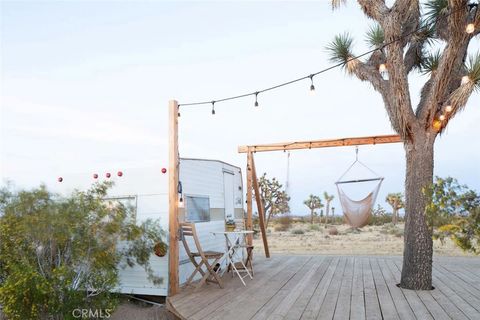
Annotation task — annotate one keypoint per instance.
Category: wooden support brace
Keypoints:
(258, 200)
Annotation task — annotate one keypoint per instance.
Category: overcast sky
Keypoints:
(85, 84)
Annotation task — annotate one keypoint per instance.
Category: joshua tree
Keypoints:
(395, 200)
(328, 198)
(275, 199)
(313, 203)
(403, 42)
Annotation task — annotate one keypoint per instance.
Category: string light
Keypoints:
(448, 108)
(465, 79)
(351, 63)
(213, 107)
(441, 118)
(470, 28)
(312, 87)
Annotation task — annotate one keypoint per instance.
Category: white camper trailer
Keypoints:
(212, 193)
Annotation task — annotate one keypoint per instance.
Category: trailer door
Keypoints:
(228, 193)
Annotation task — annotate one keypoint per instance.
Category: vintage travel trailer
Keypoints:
(211, 190)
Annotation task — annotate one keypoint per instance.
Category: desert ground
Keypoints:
(304, 238)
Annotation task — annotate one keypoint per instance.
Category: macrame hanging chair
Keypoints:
(357, 212)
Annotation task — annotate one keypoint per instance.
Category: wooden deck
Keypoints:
(335, 287)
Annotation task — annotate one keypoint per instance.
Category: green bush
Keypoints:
(315, 227)
(60, 254)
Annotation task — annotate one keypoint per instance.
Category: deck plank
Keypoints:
(416, 304)
(401, 304)
(342, 309)
(287, 288)
(292, 294)
(327, 308)
(210, 301)
(336, 287)
(357, 303)
(457, 287)
(313, 307)
(387, 306)
(245, 307)
(372, 305)
(302, 301)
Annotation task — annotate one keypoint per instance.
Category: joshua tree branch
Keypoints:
(453, 57)
(374, 9)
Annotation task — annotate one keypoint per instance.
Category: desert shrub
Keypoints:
(297, 231)
(285, 221)
(333, 231)
(379, 216)
(59, 254)
(353, 230)
(390, 228)
(315, 227)
(280, 228)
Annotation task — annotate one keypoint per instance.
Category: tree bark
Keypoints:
(417, 254)
(312, 211)
(395, 216)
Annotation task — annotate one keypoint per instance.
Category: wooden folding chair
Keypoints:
(209, 275)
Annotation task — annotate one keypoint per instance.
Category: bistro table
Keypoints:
(235, 242)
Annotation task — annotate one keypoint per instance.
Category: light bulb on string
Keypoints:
(213, 107)
(256, 99)
(382, 68)
(470, 28)
(441, 118)
(465, 79)
(448, 108)
(312, 87)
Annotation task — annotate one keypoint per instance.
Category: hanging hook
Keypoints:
(356, 153)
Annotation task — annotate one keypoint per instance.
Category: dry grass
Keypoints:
(369, 240)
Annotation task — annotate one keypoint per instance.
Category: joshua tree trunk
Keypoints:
(395, 216)
(312, 212)
(417, 255)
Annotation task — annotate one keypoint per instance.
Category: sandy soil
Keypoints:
(369, 240)
(131, 310)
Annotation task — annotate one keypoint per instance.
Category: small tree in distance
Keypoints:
(275, 199)
(395, 200)
(313, 203)
(328, 199)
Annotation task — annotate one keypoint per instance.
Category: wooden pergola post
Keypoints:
(249, 199)
(259, 201)
(173, 165)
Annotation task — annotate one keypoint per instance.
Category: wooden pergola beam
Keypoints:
(315, 144)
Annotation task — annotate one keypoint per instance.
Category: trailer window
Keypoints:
(197, 208)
